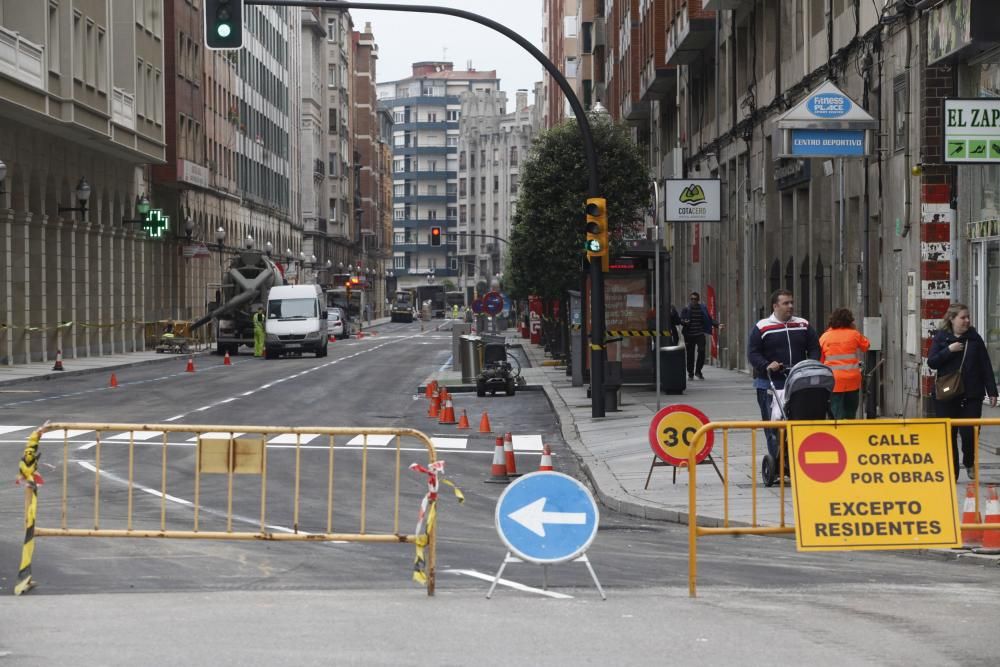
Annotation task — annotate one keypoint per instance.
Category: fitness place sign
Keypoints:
(826, 124)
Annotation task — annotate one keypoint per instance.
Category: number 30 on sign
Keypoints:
(671, 434)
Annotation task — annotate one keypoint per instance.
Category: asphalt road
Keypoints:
(373, 382)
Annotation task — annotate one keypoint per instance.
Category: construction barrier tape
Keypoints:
(594, 348)
(428, 514)
(636, 332)
(28, 471)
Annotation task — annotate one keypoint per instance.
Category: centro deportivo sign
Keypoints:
(874, 485)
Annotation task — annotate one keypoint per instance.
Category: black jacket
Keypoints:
(977, 370)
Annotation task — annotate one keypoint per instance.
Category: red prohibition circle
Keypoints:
(830, 450)
(659, 448)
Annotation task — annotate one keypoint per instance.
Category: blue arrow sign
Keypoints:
(546, 517)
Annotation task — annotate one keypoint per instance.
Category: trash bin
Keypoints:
(470, 352)
(673, 369)
(458, 329)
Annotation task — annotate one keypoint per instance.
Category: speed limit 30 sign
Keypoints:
(671, 434)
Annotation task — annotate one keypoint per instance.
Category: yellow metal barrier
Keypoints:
(221, 453)
(695, 531)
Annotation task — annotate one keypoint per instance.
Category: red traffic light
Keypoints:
(435, 236)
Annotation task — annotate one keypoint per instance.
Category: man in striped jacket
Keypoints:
(776, 344)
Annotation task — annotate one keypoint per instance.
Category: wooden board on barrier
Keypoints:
(873, 485)
(246, 456)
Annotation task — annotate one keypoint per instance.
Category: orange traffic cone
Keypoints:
(361, 334)
(484, 423)
(447, 413)
(58, 364)
(508, 450)
(546, 462)
(114, 382)
(991, 538)
(429, 389)
(971, 538)
(226, 361)
(432, 411)
(498, 471)
(463, 421)
(190, 366)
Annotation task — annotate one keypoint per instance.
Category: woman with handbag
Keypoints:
(964, 377)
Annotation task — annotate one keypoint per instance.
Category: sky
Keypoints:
(404, 38)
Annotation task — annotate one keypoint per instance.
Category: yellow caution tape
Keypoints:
(427, 517)
(28, 471)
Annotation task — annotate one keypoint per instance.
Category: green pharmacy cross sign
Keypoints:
(155, 223)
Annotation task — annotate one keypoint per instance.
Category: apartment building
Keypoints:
(562, 22)
(894, 235)
(492, 145)
(426, 108)
(81, 112)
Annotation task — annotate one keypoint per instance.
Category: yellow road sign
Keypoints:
(874, 485)
(671, 431)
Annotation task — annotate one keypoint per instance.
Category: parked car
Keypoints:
(337, 321)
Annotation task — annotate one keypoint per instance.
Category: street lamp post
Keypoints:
(220, 237)
(82, 197)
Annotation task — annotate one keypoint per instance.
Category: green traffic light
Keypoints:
(592, 246)
(224, 30)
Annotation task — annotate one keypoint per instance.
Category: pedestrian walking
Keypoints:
(695, 323)
(839, 347)
(777, 343)
(258, 332)
(964, 378)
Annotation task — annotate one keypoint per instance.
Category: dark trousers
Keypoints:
(764, 399)
(693, 345)
(961, 408)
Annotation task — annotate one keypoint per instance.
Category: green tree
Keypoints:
(546, 245)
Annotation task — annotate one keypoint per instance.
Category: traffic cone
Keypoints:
(484, 423)
(432, 411)
(190, 366)
(971, 538)
(58, 364)
(546, 462)
(226, 361)
(114, 382)
(463, 421)
(447, 413)
(498, 471)
(429, 389)
(991, 538)
(508, 450)
(361, 334)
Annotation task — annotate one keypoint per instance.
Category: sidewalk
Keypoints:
(615, 452)
(18, 373)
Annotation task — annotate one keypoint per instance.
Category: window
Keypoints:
(472, 159)
(462, 210)
(331, 29)
(102, 62)
(451, 141)
(496, 184)
(569, 27)
(432, 190)
(451, 209)
(397, 214)
(453, 115)
(398, 190)
(513, 156)
(432, 118)
(482, 185)
(140, 88)
(462, 192)
(53, 40)
(78, 49)
(462, 160)
(432, 214)
(432, 165)
(398, 237)
(496, 211)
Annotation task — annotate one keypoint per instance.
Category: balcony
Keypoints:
(689, 36)
(424, 175)
(123, 108)
(423, 199)
(21, 59)
(716, 5)
(424, 150)
(319, 169)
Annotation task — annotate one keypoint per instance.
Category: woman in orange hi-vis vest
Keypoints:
(839, 347)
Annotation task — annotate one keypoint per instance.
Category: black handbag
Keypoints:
(949, 386)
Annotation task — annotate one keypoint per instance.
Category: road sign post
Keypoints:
(546, 518)
(670, 433)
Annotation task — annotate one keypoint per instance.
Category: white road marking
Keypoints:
(450, 443)
(59, 435)
(526, 443)
(373, 440)
(289, 438)
(136, 435)
(11, 429)
(510, 584)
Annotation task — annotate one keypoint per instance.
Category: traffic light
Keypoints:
(224, 24)
(596, 244)
(435, 236)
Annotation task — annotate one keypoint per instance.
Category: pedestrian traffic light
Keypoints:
(224, 24)
(596, 244)
(435, 236)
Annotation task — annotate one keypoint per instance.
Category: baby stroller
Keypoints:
(806, 396)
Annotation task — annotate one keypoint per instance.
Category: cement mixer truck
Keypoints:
(245, 286)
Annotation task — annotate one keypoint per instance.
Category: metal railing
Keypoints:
(149, 479)
(783, 526)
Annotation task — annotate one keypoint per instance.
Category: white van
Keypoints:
(296, 321)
